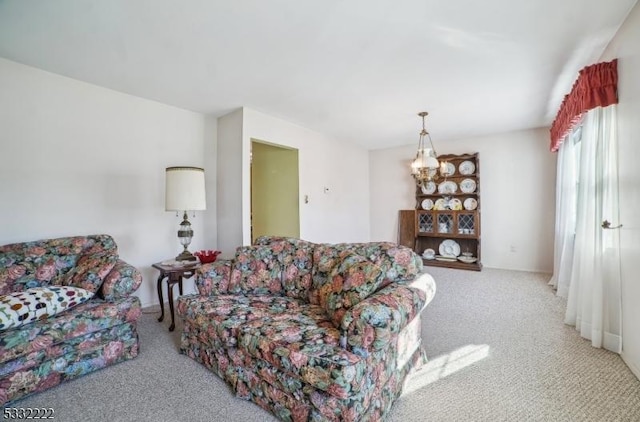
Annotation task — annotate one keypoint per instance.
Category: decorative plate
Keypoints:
(441, 205)
(449, 170)
(427, 204)
(429, 254)
(455, 204)
(447, 187)
(468, 185)
(467, 259)
(467, 167)
(470, 204)
(449, 248)
(429, 188)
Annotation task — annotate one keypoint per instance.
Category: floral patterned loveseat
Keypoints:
(65, 310)
(310, 331)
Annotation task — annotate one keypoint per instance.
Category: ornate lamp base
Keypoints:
(186, 256)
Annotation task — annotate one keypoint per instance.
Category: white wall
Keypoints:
(517, 180)
(209, 235)
(341, 215)
(229, 183)
(79, 159)
(626, 48)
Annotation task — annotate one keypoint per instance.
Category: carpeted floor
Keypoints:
(498, 351)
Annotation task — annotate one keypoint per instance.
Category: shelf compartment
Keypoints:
(476, 266)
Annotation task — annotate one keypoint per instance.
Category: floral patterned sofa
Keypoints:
(310, 331)
(65, 310)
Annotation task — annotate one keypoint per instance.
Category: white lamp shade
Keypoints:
(185, 189)
(425, 160)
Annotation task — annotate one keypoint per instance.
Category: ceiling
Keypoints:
(357, 70)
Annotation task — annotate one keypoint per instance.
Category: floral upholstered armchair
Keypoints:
(65, 310)
(310, 331)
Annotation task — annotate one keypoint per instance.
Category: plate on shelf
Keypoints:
(426, 204)
(468, 186)
(449, 248)
(441, 205)
(449, 169)
(470, 204)
(447, 187)
(455, 204)
(429, 188)
(467, 167)
(467, 259)
(445, 258)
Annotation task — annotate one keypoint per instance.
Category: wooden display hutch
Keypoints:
(447, 213)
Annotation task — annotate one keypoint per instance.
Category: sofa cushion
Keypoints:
(296, 259)
(351, 280)
(256, 271)
(396, 261)
(38, 263)
(325, 257)
(305, 345)
(221, 317)
(89, 317)
(290, 335)
(38, 303)
(89, 272)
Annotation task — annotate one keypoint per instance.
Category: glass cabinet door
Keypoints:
(425, 222)
(467, 224)
(445, 223)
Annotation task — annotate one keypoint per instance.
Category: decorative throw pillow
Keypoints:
(350, 281)
(89, 272)
(22, 308)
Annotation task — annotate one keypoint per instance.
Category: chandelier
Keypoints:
(424, 168)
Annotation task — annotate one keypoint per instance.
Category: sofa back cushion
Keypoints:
(396, 261)
(256, 271)
(41, 263)
(350, 281)
(296, 260)
(89, 272)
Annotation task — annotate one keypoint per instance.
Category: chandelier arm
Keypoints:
(432, 147)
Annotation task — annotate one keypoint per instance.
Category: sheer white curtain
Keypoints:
(566, 183)
(593, 300)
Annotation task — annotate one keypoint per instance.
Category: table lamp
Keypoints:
(185, 192)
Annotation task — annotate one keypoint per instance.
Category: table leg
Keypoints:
(160, 278)
(180, 285)
(177, 278)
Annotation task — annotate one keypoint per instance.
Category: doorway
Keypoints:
(275, 205)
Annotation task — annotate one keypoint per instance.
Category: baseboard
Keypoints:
(612, 342)
(632, 366)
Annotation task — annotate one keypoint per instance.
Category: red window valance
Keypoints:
(596, 86)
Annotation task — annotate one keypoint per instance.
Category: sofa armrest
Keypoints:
(376, 321)
(122, 281)
(213, 279)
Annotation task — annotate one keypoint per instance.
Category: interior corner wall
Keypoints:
(333, 177)
(229, 182)
(78, 159)
(517, 182)
(210, 153)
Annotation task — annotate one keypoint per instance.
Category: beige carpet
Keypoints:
(498, 352)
